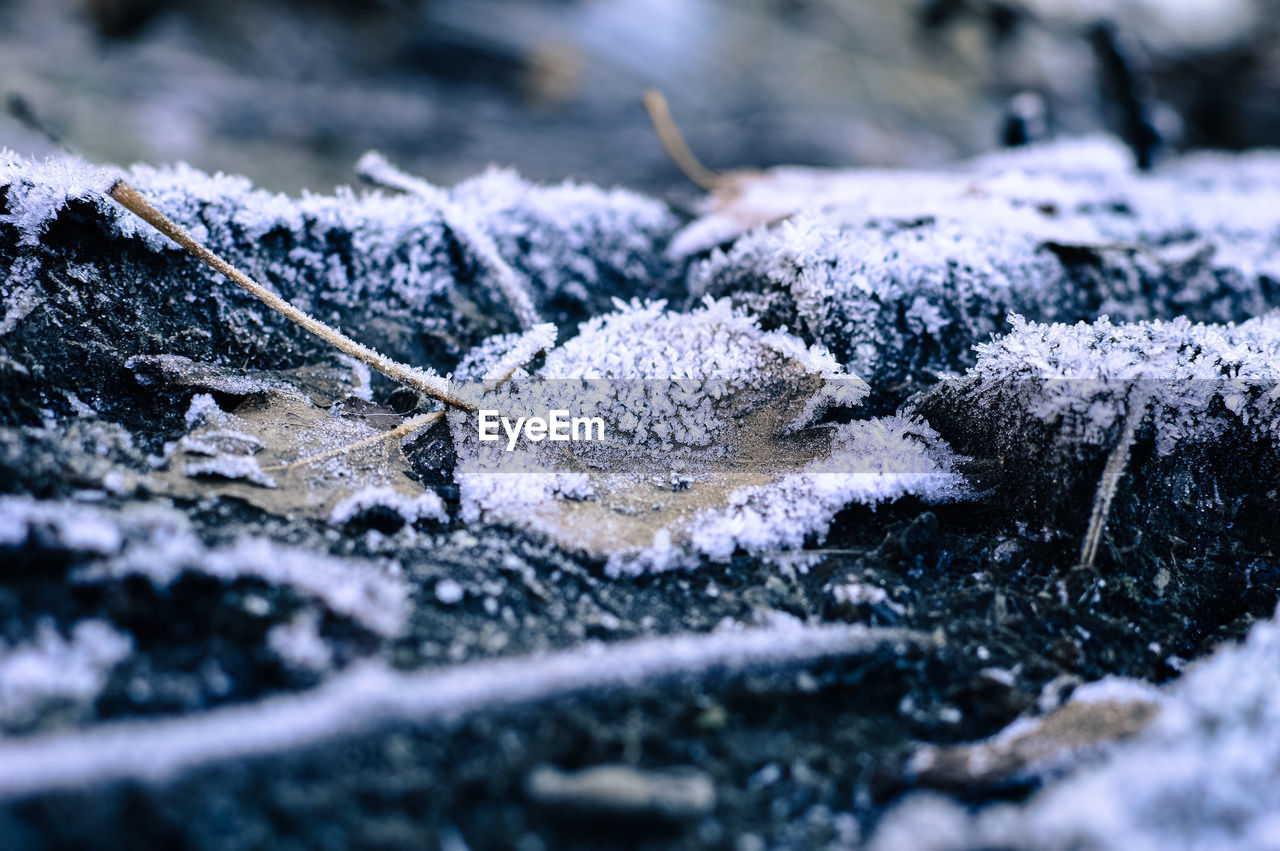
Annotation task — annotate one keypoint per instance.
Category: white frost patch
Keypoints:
(871, 462)
(52, 670)
(1204, 774)
(377, 599)
(159, 543)
(299, 644)
(19, 301)
(370, 694)
(76, 527)
(898, 272)
(203, 409)
(409, 508)
(1197, 380)
(523, 347)
(244, 468)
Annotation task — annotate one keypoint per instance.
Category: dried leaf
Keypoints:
(250, 452)
(710, 442)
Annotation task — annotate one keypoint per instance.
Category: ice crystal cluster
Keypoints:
(871, 462)
(1195, 382)
(898, 275)
(1196, 404)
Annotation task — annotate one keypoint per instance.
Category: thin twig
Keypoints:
(375, 168)
(655, 103)
(433, 385)
(366, 695)
(1111, 475)
(404, 429)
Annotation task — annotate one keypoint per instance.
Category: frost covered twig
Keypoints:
(1111, 473)
(375, 168)
(369, 694)
(429, 383)
(405, 429)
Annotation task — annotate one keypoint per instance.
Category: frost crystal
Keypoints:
(1198, 382)
(410, 509)
(706, 444)
(1052, 401)
(1201, 380)
(871, 461)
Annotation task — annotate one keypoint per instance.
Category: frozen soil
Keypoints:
(978, 613)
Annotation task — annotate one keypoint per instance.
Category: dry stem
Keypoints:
(1110, 480)
(675, 145)
(433, 385)
(403, 430)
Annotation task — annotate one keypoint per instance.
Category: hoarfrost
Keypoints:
(410, 509)
(1052, 401)
(871, 461)
(159, 543)
(38, 190)
(899, 273)
(706, 447)
(50, 670)
(1199, 380)
(242, 468)
(389, 269)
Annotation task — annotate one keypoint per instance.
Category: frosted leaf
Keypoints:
(1099, 715)
(1205, 773)
(250, 453)
(710, 444)
(870, 462)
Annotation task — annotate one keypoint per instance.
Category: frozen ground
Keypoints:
(826, 576)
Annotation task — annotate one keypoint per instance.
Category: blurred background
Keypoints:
(291, 92)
